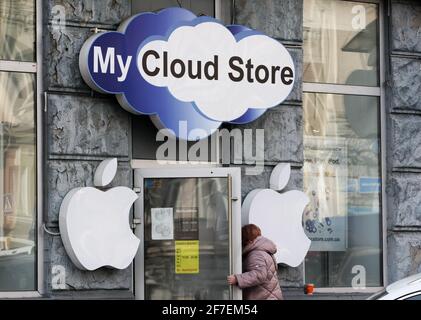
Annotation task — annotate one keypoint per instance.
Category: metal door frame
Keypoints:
(233, 174)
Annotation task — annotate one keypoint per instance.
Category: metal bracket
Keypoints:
(98, 30)
(45, 101)
(136, 222)
(44, 226)
(137, 190)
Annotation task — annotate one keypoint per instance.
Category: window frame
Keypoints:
(36, 69)
(143, 170)
(379, 91)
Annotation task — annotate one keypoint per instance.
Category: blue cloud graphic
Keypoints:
(138, 96)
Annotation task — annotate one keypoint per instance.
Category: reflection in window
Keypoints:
(17, 30)
(17, 181)
(341, 42)
(342, 180)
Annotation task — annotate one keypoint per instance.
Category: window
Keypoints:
(18, 146)
(17, 30)
(341, 42)
(342, 145)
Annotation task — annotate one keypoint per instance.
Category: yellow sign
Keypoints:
(187, 256)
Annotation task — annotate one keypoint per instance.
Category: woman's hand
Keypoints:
(232, 280)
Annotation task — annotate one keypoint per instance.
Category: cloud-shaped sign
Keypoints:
(176, 67)
(224, 78)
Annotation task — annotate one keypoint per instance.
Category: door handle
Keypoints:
(136, 222)
(230, 199)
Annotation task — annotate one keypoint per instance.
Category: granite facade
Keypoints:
(282, 20)
(403, 131)
(81, 129)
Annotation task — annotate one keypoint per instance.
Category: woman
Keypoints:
(259, 279)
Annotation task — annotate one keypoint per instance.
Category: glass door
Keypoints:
(186, 229)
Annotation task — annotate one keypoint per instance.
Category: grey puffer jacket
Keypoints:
(259, 279)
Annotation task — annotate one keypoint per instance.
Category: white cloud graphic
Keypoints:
(267, 69)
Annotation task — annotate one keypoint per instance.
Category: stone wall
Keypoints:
(283, 125)
(404, 136)
(81, 129)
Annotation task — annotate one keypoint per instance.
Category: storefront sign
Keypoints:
(94, 225)
(187, 256)
(174, 66)
(279, 216)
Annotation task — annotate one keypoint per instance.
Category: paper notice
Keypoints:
(162, 223)
(187, 256)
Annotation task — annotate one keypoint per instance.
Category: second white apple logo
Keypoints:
(94, 224)
(279, 216)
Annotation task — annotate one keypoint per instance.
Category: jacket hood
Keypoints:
(262, 244)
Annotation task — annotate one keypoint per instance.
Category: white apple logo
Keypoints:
(94, 224)
(279, 216)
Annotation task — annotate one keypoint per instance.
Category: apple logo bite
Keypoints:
(279, 216)
(94, 224)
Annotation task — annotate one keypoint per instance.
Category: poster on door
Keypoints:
(187, 256)
(325, 182)
(186, 223)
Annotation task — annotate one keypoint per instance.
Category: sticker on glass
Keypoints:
(162, 223)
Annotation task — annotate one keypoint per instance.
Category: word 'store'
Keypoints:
(178, 68)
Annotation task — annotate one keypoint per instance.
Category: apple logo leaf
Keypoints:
(105, 172)
(280, 176)
(94, 224)
(279, 216)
